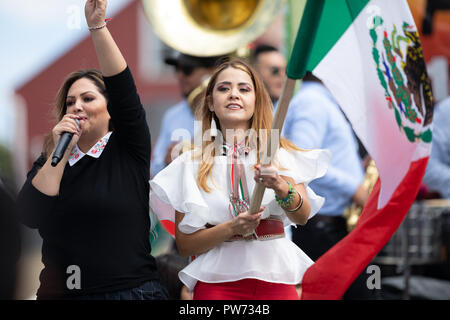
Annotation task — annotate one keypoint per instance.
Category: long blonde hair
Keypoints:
(261, 119)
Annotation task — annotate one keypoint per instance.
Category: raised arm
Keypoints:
(124, 105)
(109, 56)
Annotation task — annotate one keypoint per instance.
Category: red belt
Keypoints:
(270, 228)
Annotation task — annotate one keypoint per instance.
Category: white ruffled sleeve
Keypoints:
(303, 167)
(175, 189)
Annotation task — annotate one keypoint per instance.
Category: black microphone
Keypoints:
(61, 147)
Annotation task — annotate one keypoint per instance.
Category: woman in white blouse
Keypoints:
(206, 192)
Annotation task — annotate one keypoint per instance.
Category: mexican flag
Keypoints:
(368, 54)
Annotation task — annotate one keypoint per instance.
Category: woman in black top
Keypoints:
(92, 209)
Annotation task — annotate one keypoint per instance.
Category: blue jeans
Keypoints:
(150, 290)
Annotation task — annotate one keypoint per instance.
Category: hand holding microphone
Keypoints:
(66, 128)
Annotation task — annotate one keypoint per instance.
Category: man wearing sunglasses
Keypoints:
(190, 72)
(271, 65)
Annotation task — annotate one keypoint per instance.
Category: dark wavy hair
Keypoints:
(60, 100)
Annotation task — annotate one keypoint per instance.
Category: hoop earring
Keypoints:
(213, 126)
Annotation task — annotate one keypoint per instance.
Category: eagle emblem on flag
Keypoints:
(402, 72)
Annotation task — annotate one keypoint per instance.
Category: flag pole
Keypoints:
(277, 124)
(296, 69)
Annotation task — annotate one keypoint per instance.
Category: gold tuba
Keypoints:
(353, 212)
(206, 28)
(210, 27)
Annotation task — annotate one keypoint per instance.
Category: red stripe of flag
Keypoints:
(333, 272)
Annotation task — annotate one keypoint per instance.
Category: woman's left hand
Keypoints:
(268, 176)
(95, 11)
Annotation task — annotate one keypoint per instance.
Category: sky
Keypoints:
(33, 33)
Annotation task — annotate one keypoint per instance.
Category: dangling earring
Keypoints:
(213, 126)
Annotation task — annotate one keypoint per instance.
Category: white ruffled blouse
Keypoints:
(276, 260)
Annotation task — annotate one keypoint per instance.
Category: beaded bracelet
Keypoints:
(99, 27)
(286, 202)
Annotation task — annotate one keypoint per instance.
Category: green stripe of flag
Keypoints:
(305, 39)
(336, 16)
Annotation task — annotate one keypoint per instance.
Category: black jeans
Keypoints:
(150, 290)
(317, 237)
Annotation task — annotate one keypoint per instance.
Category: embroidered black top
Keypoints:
(100, 220)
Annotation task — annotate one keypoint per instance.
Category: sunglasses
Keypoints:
(275, 71)
(186, 70)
